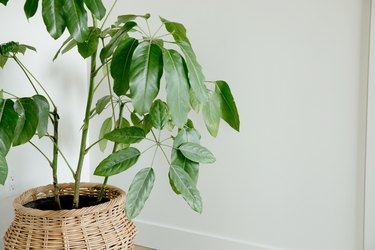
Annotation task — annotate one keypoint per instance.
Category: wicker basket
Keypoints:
(103, 226)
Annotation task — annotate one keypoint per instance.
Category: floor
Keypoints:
(142, 248)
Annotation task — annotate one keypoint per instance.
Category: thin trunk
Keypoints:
(55, 156)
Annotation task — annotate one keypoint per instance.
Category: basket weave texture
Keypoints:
(102, 226)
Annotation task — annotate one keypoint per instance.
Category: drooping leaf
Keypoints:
(196, 77)
(53, 17)
(130, 17)
(159, 114)
(126, 135)
(120, 65)
(90, 46)
(211, 113)
(102, 103)
(96, 7)
(3, 61)
(177, 86)
(185, 186)
(8, 123)
(43, 112)
(229, 111)
(116, 39)
(4, 2)
(117, 162)
(147, 124)
(139, 192)
(76, 19)
(9, 47)
(3, 169)
(61, 47)
(23, 47)
(28, 120)
(196, 152)
(69, 46)
(30, 8)
(146, 70)
(177, 30)
(105, 128)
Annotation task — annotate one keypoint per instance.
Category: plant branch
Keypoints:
(55, 157)
(40, 151)
(25, 72)
(109, 12)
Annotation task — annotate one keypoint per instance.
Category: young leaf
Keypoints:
(3, 169)
(139, 192)
(69, 46)
(117, 162)
(3, 61)
(90, 46)
(229, 111)
(105, 128)
(177, 30)
(30, 8)
(196, 76)
(126, 135)
(196, 152)
(120, 65)
(96, 7)
(211, 113)
(27, 122)
(43, 112)
(76, 19)
(186, 187)
(53, 17)
(116, 39)
(126, 18)
(23, 47)
(8, 123)
(102, 103)
(146, 70)
(61, 47)
(177, 86)
(159, 114)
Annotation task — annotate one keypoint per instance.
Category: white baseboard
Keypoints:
(163, 237)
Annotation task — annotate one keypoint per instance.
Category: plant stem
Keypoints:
(55, 157)
(85, 129)
(26, 74)
(118, 125)
(40, 151)
(109, 87)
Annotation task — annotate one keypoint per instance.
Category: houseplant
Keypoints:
(132, 61)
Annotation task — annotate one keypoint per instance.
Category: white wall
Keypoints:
(65, 79)
(293, 178)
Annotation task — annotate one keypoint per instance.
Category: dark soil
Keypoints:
(66, 202)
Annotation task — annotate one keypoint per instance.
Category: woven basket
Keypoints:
(103, 226)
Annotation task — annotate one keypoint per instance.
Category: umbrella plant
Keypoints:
(136, 63)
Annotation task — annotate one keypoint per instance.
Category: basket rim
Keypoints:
(22, 199)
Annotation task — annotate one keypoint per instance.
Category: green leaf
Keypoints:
(186, 187)
(126, 135)
(23, 47)
(116, 39)
(120, 65)
(126, 18)
(124, 123)
(135, 119)
(102, 103)
(177, 87)
(139, 192)
(177, 30)
(229, 111)
(96, 7)
(53, 17)
(69, 46)
(61, 47)
(4, 2)
(118, 162)
(1, 94)
(27, 122)
(211, 113)
(3, 61)
(196, 152)
(146, 70)
(178, 159)
(3, 169)
(30, 8)
(90, 46)
(8, 123)
(43, 114)
(105, 128)
(159, 114)
(76, 19)
(9, 47)
(147, 124)
(196, 77)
